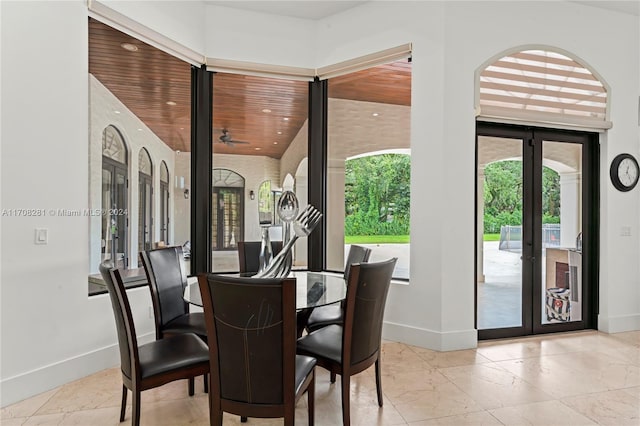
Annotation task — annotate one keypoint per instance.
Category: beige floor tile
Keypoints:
(398, 358)
(533, 347)
(634, 391)
(396, 386)
(632, 337)
(13, 421)
(493, 387)
(441, 400)
(103, 389)
(615, 408)
(482, 418)
(450, 359)
(420, 386)
(46, 420)
(547, 413)
(575, 373)
(27, 407)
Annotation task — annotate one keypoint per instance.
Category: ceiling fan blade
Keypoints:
(235, 141)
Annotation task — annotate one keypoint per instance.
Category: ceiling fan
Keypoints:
(227, 139)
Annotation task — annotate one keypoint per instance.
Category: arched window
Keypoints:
(537, 86)
(164, 203)
(114, 198)
(145, 200)
(227, 211)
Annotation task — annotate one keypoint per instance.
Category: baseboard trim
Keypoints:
(435, 340)
(39, 380)
(619, 324)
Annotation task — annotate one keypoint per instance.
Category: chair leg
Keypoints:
(346, 408)
(205, 378)
(333, 377)
(135, 412)
(191, 386)
(311, 397)
(123, 407)
(379, 381)
(215, 411)
(243, 419)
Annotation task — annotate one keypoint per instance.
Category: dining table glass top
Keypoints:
(313, 289)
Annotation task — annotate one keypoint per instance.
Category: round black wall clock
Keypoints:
(624, 172)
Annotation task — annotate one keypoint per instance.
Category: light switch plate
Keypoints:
(42, 236)
(625, 231)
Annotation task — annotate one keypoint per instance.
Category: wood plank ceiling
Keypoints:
(267, 113)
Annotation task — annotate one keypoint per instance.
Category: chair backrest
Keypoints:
(366, 298)
(249, 254)
(252, 337)
(357, 254)
(167, 278)
(125, 329)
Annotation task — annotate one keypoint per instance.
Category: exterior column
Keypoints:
(335, 215)
(480, 221)
(571, 208)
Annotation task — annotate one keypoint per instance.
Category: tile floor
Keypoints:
(582, 378)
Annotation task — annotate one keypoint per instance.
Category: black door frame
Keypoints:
(532, 138)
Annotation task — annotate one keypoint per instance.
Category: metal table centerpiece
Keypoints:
(300, 222)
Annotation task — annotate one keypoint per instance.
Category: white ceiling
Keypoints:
(632, 7)
(318, 9)
(297, 9)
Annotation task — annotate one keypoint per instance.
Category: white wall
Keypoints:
(63, 334)
(52, 332)
(182, 21)
(257, 37)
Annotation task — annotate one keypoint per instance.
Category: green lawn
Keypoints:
(395, 239)
(376, 239)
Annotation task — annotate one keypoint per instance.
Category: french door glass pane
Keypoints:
(106, 243)
(561, 232)
(120, 214)
(500, 204)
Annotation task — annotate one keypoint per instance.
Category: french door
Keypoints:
(145, 217)
(227, 213)
(537, 215)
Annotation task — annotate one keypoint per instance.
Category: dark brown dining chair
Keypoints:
(255, 371)
(153, 364)
(349, 348)
(249, 255)
(323, 316)
(167, 279)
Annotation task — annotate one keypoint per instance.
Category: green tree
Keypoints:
(503, 195)
(377, 195)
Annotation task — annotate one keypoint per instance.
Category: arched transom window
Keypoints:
(542, 86)
(113, 145)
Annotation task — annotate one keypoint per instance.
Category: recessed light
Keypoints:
(139, 130)
(181, 128)
(171, 103)
(257, 149)
(130, 47)
(375, 114)
(275, 143)
(116, 111)
(266, 110)
(286, 118)
(279, 133)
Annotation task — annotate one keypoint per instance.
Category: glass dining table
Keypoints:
(313, 289)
